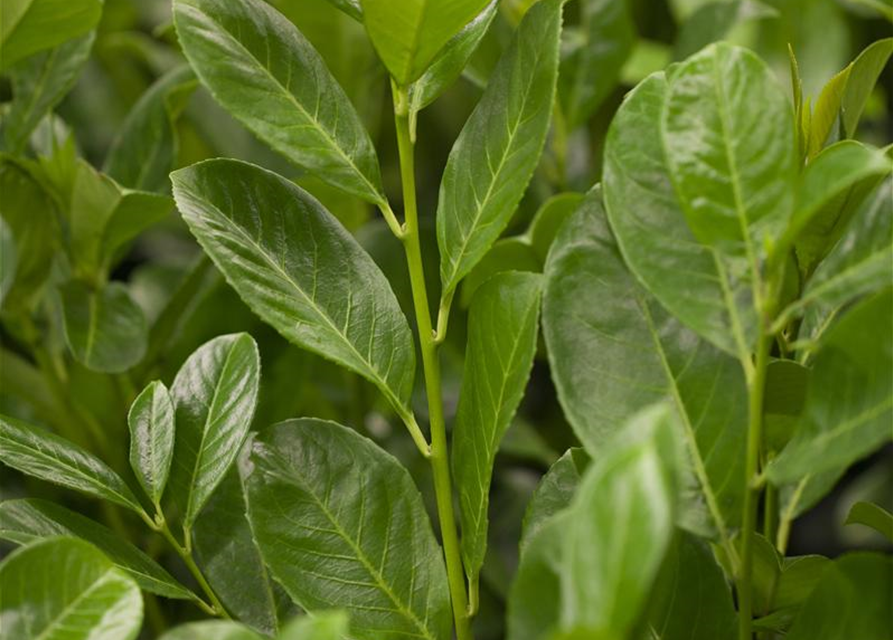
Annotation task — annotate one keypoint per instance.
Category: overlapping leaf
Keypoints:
(151, 422)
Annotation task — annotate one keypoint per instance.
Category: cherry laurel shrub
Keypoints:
(716, 314)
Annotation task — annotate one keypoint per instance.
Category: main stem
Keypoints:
(431, 365)
(756, 387)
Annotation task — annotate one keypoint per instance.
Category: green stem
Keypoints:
(756, 387)
(439, 455)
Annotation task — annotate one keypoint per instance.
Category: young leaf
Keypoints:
(299, 270)
(340, 524)
(66, 584)
(211, 630)
(151, 422)
(145, 150)
(214, 394)
(687, 278)
(37, 452)
(30, 26)
(733, 166)
(609, 360)
(276, 84)
(502, 332)
(105, 329)
(852, 600)
(409, 34)
(603, 42)
(849, 404)
(25, 521)
(554, 492)
(496, 153)
(872, 515)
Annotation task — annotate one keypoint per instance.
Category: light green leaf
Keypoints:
(37, 452)
(145, 150)
(29, 26)
(64, 588)
(39, 83)
(211, 630)
(278, 86)
(8, 259)
(105, 329)
(320, 495)
(499, 147)
(872, 515)
(25, 521)
(151, 422)
(852, 600)
(690, 280)
(601, 44)
(331, 625)
(849, 404)
(502, 333)
(298, 269)
(608, 360)
(409, 34)
(350, 7)
(733, 166)
(214, 394)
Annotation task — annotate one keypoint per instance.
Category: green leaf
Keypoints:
(849, 404)
(105, 329)
(320, 495)
(25, 521)
(548, 220)
(66, 588)
(799, 576)
(691, 598)
(506, 254)
(733, 166)
(852, 600)
(872, 515)
(600, 46)
(145, 150)
(214, 394)
(608, 360)
(717, 20)
(37, 452)
(350, 7)
(299, 270)
(278, 86)
(151, 422)
(39, 82)
(211, 630)
(331, 625)
(498, 149)
(449, 63)
(502, 333)
(29, 26)
(409, 34)
(554, 492)
(690, 280)
(8, 259)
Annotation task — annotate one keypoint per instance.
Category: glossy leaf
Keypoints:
(145, 150)
(26, 521)
(502, 333)
(688, 279)
(340, 524)
(39, 453)
(409, 34)
(65, 588)
(211, 630)
(609, 360)
(852, 600)
(849, 405)
(874, 516)
(499, 147)
(151, 422)
(733, 166)
(299, 270)
(105, 329)
(554, 492)
(30, 26)
(278, 86)
(214, 395)
(603, 41)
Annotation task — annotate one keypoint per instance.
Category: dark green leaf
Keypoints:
(37, 452)
(25, 521)
(548, 220)
(507, 254)
(214, 394)
(340, 524)
(874, 516)
(105, 329)
(8, 259)
(151, 422)
(716, 20)
(499, 147)
(297, 268)
(30, 26)
(279, 87)
(502, 333)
